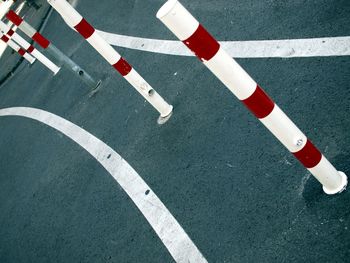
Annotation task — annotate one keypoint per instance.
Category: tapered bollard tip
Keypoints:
(163, 119)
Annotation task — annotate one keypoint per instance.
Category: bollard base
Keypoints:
(341, 188)
(163, 119)
(95, 89)
(98, 84)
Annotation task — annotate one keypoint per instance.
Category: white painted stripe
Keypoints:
(27, 29)
(4, 8)
(19, 8)
(331, 179)
(112, 56)
(170, 13)
(36, 53)
(229, 72)
(146, 91)
(29, 58)
(105, 50)
(284, 129)
(164, 224)
(15, 47)
(45, 61)
(141, 85)
(287, 48)
(70, 15)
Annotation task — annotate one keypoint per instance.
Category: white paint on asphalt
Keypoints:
(288, 48)
(164, 224)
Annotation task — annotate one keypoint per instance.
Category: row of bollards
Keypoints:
(179, 20)
(29, 48)
(76, 21)
(17, 48)
(51, 49)
(89, 33)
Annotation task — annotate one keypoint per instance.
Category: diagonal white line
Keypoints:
(162, 221)
(288, 48)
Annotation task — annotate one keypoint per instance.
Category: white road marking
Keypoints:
(164, 224)
(288, 48)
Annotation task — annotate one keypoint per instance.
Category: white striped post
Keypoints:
(27, 29)
(175, 16)
(51, 49)
(76, 21)
(16, 48)
(29, 48)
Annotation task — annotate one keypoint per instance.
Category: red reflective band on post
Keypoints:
(5, 38)
(203, 45)
(30, 49)
(10, 32)
(21, 52)
(38, 38)
(259, 103)
(85, 29)
(123, 67)
(309, 156)
(14, 18)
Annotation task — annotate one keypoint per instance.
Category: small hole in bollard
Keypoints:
(151, 92)
(109, 156)
(81, 72)
(147, 192)
(299, 142)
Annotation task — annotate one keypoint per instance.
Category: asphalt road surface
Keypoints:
(236, 191)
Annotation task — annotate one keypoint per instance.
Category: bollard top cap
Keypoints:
(166, 8)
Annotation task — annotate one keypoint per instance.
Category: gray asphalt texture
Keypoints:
(237, 192)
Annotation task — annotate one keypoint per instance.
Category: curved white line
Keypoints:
(164, 224)
(288, 48)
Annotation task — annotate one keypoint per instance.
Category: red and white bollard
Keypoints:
(29, 48)
(16, 48)
(175, 16)
(76, 21)
(51, 49)
(27, 29)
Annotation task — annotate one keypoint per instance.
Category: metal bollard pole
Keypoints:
(72, 66)
(29, 48)
(176, 17)
(76, 21)
(52, 49)
(16, 48)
